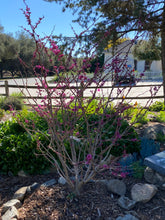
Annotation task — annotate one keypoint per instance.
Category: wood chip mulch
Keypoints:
(58, 203)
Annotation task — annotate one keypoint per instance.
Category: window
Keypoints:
(147, 65)
(135, 65)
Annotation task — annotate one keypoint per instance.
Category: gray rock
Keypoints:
(156, 162)
(151, 131)
(126, 203)
(11, 213)
(49, 183)
(62, 180)
(75, 139)
(22, 173)
(153, 177)
(20, 193)
(10, 203)
(127, 217)
(116, 186)
(34, 186)
(143, 192)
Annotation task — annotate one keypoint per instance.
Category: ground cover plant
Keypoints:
(81, 133)
(11, 102)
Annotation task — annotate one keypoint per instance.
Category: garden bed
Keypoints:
(57, 202)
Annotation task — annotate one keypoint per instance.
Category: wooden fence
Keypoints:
(8, 86)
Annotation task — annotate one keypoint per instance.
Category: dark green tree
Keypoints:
(148, 50)
(11, 48)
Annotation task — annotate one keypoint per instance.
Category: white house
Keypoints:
(123, 52)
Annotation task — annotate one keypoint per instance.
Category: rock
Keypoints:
(127, 217)
(11, 213)
(156, 162)
(20, 193)
(143, 192)
(151, 131)
(22, 173)
(153, 177)
(62, 180)
(126, 203)
(32, 187)
(10, 203)
(78, 140)
(116, 186)
(49, 183)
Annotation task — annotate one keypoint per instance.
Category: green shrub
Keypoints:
(160, 117)
(128, 142)
(18, 150)
(138, 169)
(2, 113)
(11, 102)
(157, 106)
(139, 117)
(160, 137)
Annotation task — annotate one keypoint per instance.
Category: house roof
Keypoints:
(124, 47)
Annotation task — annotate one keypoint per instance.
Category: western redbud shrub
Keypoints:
(80, 138)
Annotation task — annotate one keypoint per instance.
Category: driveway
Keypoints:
(127, 92)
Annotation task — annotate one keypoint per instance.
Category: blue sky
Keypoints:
(12, 18)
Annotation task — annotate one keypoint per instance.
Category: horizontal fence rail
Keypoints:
(7, 87)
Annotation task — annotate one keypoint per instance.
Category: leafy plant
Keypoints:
(139, 117)
(137, 169)
(2, 112)
(157, 106)
(12, 102)
(160, 137)
(18, 150)
(160, 117)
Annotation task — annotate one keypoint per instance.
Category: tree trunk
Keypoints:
(163, 49)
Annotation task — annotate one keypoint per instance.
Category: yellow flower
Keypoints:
(135, 104)
(123, 97)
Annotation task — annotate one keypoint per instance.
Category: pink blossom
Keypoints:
(72, 66)
(133, 139)
(124, 174)
(38, 66)
(54, 46)
(105, 166)
(89, 157)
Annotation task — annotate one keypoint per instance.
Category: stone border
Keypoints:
(10, 208)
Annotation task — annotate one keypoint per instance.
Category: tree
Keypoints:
(122, 16)
(1, 28)
(147, 50)
(10, 48)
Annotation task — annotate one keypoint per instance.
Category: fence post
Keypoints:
(6, 88)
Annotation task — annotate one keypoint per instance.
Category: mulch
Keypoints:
(58, 203)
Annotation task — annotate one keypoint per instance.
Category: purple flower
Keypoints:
(89, 157)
